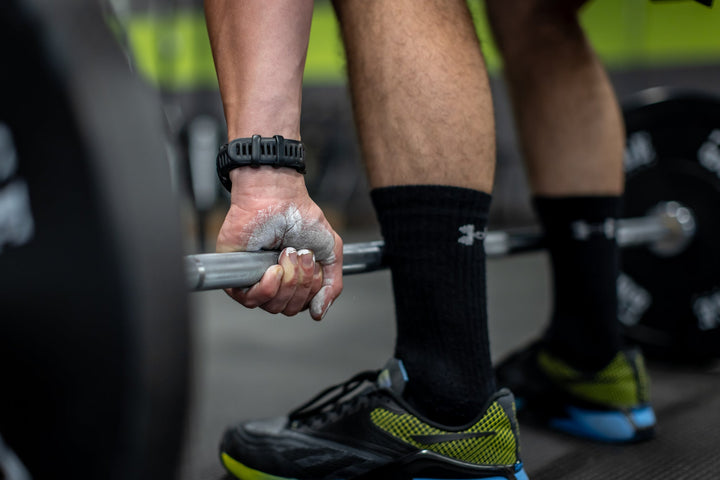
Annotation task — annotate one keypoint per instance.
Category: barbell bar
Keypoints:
(667, 230)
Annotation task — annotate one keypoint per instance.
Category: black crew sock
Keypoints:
(580, 236)
(434, 247)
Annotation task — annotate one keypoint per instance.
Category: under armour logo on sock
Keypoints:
(470, 235)
(582, 230)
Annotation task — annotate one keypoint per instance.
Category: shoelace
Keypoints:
(329, 400)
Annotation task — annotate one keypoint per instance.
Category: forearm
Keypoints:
(259, 48)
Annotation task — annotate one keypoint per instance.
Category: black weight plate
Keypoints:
(671, 305)
(93, 317)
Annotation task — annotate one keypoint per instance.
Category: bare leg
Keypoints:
(567, 116)
(424, 114)
(572, 135)
(572, 138)
(420, 92)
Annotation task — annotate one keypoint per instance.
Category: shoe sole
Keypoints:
(630, 426)
(605, 426)
(244, 472)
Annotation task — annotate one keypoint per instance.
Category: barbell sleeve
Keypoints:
(667, 230)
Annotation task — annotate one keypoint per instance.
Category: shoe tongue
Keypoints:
(393, 377)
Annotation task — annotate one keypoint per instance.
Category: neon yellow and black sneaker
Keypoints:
(610, 405)
(362, 429)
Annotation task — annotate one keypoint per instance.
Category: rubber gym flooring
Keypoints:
(250, 365)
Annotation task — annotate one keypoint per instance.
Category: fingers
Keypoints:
(273, 218)
(284, 288)
(316, 283)
(332, 282)
(262, 292)
(289, 286)
(305, 281)
(296, 284)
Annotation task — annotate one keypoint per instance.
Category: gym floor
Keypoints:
(249, 364)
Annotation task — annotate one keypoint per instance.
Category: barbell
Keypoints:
(94, 327)
(669, 286)
(667, 231)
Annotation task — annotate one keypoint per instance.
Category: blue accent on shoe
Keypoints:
(520, 475)
(643, 417)
(605, 426)
(403, 371)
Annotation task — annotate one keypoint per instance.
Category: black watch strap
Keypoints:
(256, 151)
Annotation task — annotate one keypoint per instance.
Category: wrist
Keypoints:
(264, 182)
(271, 116)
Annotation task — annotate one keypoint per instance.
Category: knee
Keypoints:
(521, 24)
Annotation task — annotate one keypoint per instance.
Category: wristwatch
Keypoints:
(255, 151)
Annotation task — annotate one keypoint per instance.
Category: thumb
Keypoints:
(332, 283)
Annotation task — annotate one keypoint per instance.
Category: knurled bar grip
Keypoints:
(241, 269)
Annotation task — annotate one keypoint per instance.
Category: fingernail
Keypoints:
(313, 310)
(279, 272)
(306, 258)
(316, 304)
(289, 253)
(326, 310)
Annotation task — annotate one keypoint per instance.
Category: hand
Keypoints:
(271, 210)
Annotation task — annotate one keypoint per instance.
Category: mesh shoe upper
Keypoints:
(364, 429)
(612, 404)
(623, 383)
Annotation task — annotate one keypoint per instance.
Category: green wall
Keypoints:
(172, 51)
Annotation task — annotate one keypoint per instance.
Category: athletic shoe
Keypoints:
(363, 429)
(610, 405)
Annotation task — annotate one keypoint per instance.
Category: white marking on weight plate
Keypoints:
(707, 311)
(639, 151)
(8, 155)
(633, 300)
(16, 221)
(709, 153)
(470, 234)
